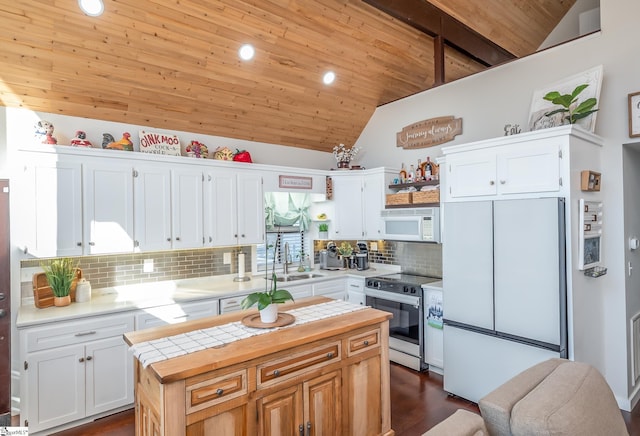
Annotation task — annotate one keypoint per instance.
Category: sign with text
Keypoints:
(429, 132)
(295, 182)
(159, 143)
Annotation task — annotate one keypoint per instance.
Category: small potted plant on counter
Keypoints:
(323, 231)
(60, 274)
(268, 300)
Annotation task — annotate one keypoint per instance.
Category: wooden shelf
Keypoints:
(411, 205)
(414, 184)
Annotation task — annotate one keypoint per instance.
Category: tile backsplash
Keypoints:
(127, 269)
(413, 257)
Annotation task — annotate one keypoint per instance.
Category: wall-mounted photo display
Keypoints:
(590, 240)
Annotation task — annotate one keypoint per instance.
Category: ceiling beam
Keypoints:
(434, 22)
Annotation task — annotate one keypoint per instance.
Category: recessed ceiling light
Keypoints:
(91, 7)
(246, 52)
(329, 77)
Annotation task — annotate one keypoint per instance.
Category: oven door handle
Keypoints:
(393, 296)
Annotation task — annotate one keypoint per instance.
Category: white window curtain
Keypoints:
(286, 209)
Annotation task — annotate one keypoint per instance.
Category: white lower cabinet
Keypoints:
(335, 288)
(74, 370)
(355, 290)
(434, 337)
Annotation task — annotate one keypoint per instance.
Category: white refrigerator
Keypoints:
(504, 281)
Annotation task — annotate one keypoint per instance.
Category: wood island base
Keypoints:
(327, 377)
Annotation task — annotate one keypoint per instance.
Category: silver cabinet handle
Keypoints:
(79, 244)
(89, 358)
(308, 428)
(168, 239)
(90, 332)
(219, 392)
(276, 373)
(492, 182)
(366, 343)
(92, 243)
(301, 429)
(329, 355)
(502, 182)
(81, 360)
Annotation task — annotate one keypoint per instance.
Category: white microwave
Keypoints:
(420, 224)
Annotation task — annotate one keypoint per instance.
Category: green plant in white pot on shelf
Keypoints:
(60, 274)
(323, 231)
(268, 300)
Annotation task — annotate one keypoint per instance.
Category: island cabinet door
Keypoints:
(363, 416)
(311, 408)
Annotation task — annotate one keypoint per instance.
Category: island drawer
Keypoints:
(206, 393)
(59, 334)
(363, 342)
(296, 364)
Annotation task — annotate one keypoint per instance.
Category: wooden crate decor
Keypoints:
(42, 293)
(431, 196)
(589, 181)
(400, 198)
(429, 132)
(159, 143)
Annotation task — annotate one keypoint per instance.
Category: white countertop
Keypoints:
(131, 297)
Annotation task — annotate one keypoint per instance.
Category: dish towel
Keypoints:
(173, 346)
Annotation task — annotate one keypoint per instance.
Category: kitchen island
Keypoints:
(329, 376)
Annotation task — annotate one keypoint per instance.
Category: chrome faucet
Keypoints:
(286, 258)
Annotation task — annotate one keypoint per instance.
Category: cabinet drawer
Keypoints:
(294, 365)
(217, 390)
(363, 342)
(175, 313)
(74, 332)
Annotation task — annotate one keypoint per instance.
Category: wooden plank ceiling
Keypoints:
(173, 64)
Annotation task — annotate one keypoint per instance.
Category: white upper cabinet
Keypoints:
(152, 208)
(108, 207)
(234, 208)
(373, 191)
(187, 203)
(53, 208)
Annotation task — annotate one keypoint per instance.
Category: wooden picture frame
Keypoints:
(634, 115)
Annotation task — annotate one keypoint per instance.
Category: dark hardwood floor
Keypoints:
(417, 404)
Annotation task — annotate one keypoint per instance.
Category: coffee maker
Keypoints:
(329, 258)
(362, 256)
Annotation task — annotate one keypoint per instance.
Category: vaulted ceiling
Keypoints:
(174, 64)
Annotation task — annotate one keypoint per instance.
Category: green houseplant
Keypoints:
(60, 274)
(323, 231)
(575, 111)
(268, 299)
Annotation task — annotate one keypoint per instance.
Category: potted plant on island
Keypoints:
(60, 274)
(268, 300)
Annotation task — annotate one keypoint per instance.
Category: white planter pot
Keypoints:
(323, 235)
(269, 314)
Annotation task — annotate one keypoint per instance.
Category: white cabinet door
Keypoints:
(347, 197)
(220, 208)
(152, 208)
(471, 174)
(109, 375)
(57, 209)
(108, 208)
(234, 208)
(531, 167)
(250, 212)
(56, 393)
(335, 289)
(373, 203)
(187, 202)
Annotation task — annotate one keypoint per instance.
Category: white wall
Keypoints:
(502, 95)
(20, 129)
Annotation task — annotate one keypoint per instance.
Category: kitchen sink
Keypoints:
(294, 277)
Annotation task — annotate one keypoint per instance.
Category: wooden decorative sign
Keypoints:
(296, 182)
(429, 132)
(159, 143)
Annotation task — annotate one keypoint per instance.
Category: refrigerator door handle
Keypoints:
(463, 326)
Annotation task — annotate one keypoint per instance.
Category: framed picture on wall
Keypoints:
(539, 106)
(634, 115)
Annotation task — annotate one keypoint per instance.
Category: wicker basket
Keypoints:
(400, 198)
(432, 196)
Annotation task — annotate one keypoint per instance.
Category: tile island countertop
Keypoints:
(153, 294)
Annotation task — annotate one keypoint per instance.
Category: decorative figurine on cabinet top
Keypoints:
(108, 141)
(197, 149)
(223, 153)
(44, 133)
(80, 140)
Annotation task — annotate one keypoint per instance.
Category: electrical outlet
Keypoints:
(147, 266)
(226, 259)
(373, 246)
